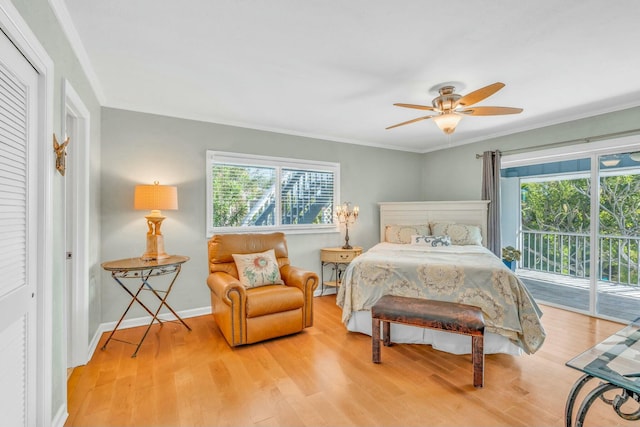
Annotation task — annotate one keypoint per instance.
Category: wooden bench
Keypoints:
(445, 316)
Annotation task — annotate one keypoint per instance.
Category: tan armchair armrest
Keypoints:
(227, 288)
(307, 282)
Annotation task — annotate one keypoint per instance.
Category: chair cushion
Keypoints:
(258, 269)
(273, 299)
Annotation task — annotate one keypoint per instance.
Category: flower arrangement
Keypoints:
(511, 254)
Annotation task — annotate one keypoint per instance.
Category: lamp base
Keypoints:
(155, 248)
(155, 239)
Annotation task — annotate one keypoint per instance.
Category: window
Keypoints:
(259, 193)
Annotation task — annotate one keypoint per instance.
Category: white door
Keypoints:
(18, 186)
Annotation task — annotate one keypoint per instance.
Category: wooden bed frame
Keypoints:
(472, 212)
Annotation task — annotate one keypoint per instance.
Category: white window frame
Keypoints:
(240, 159)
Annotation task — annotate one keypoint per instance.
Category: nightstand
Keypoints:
(337, 259)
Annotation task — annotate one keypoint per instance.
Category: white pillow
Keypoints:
(434, 241)
(258, 269)
(398, 233)
(461, 234)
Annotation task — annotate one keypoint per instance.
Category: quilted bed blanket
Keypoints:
(464, 274)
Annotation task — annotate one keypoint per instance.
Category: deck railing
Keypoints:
(569, 254)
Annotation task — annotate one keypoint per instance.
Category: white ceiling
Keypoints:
(332, 69)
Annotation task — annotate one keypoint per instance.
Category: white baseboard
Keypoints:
(141, 321)
(61, 416)
(328, 290)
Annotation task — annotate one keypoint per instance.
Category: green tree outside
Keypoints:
(235, 190)
(563, 206)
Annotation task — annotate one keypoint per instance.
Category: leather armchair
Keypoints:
(249, 315)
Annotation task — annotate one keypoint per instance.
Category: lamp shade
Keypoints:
(155, 197)
(447, 122)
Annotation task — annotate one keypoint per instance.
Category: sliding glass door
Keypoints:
(576, 220)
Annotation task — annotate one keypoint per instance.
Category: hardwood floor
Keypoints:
(324, 377)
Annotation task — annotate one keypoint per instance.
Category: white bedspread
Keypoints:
(465, 274)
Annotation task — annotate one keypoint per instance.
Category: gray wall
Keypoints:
(40, 18)
(463, 171)
(140, 148)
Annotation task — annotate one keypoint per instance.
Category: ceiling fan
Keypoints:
(451, 107)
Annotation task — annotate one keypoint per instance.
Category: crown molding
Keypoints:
(66, 23)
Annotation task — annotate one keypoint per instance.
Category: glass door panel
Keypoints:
(554, 234)
(618, 283)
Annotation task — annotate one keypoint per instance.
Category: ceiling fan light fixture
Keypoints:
(447, 122)
(450, 107)
(610, 162)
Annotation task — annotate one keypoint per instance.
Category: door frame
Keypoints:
(77, 325)
(17, 30)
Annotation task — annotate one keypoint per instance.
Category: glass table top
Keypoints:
(615, 360)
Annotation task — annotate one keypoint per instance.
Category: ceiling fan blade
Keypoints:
(480, 94)
(409, 122)
(489, 111)
(418, 107)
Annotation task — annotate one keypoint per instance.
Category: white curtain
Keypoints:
(491, 191)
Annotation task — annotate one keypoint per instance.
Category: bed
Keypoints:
(406, 263)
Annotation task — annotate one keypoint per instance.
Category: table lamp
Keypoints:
(155, 198)
(346, 215)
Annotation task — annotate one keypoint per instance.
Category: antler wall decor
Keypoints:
(61, 153)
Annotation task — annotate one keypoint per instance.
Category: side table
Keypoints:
(337, 259)
(615, 364)
(137, 268)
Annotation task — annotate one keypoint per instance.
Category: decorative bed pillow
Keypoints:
(258, 269)
(434, 241)
(461, 234)
(402, 233)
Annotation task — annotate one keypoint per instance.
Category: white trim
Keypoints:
(594, 231)
(259, 160)
(609, 146)
(25, 40)
(60, 417)
(143, 321)
(72, 105)
(240, 159)
(66, 23)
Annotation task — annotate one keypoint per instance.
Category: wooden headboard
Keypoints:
(472, 212)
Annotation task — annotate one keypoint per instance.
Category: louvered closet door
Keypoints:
(18, 89)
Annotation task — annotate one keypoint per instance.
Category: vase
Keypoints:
(510, 264)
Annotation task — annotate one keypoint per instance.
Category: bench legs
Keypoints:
(477, 349)
(375, 338)
(477, 357)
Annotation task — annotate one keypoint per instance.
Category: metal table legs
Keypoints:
(593, 395)
(146, 286)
